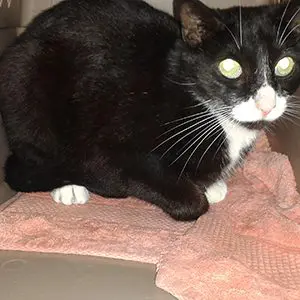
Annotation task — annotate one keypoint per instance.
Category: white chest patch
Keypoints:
(238, 139)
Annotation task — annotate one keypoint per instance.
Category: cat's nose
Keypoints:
(266, 100)
(266, 106)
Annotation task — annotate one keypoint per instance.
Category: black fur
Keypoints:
(86, 90)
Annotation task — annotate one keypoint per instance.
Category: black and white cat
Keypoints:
(120, 99)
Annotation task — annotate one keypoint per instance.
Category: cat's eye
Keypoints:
(230, 68)
(284, 67)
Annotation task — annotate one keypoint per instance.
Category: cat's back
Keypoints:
(79, 34)
(83, 57)
(108, 23)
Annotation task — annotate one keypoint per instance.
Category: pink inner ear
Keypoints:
(198, 21)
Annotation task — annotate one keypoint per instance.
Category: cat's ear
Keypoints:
(197, 20)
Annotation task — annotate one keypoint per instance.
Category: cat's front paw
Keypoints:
(71, 195)
(216, 192)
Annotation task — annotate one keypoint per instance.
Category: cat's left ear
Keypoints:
(197, 20)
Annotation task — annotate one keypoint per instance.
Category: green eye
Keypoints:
(230, 68)
(284, 67)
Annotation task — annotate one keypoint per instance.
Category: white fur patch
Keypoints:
(238, 139)
(216, 192)
(71, 195)
(265, 105)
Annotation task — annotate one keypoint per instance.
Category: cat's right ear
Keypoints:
(197, 20)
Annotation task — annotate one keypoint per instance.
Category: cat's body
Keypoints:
(107, 95)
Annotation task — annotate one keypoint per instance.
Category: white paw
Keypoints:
(71, 195)
(216, 192)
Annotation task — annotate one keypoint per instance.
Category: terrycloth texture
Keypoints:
(247, 247)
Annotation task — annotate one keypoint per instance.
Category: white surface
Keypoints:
(34, 276)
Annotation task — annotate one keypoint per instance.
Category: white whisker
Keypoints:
(180, 83)
(215, 129)
(211, 144)
(241, 23)
(207, 132)
(187, 122)
(200, 114)
(233, 36)
(287, 26)
(185, 136)
(195, 116)
(291, 31)
(202, 103)
(224, 139)
(281, 20)
(289, 117)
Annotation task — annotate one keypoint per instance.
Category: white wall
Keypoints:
(166, 5)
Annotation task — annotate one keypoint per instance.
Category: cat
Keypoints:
(117, 98)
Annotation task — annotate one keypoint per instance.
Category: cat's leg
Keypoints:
(183, 202)
(216, 192)
(70, 195)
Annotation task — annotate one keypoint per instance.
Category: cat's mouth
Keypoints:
(265, 106)
(248, 112)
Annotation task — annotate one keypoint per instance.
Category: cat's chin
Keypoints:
(259, 125)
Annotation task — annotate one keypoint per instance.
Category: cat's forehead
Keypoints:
(253, 21)
(260, 30)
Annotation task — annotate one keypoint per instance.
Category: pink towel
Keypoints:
(247, 247)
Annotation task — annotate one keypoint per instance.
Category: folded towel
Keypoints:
(246, 247)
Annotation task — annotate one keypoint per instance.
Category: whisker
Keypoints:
(295, 99)
(223, 142)
(216, 129)
(269, 129)
(187, 122)
(224, 139)
(288, 24)
(198, 104)
(241, 22)
(180, 83)
(291, 31)
(291, 115)
(185, 136)
(294, 96)
(200, 115)
(211, 144)
(209, 131)
(184, 130)
(233, 36)
(294, 108)
(288, 117)
(281, 20)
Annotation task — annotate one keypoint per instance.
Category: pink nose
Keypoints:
(265, 99)
(265, 106)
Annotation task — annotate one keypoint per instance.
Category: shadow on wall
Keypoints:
(9, 21)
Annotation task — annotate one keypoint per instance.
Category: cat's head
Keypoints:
(244, 61)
